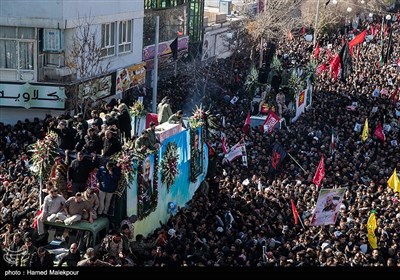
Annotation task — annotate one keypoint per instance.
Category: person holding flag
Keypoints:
(371, 226)
(278, 155)
(320, 173)
(364, 135)
(332, 145)
(394, 182)
(246, 126)
(379, 132)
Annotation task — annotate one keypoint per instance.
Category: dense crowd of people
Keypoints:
(228, 222)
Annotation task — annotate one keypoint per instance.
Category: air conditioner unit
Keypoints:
(205, 21)
(220, 18)
(63, 71)
(225, 6)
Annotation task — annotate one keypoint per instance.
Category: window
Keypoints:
(107, 40)
(17, 53)
(125, 36)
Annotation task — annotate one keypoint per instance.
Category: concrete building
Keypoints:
(53, 49)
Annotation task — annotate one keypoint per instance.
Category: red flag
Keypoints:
(316, 51)
(335, 63)
(321, 68)
(295, 214)
(225, 148)
(151, 118)
(247, 124)
(320, 173)
(328, 55)
(357, 40)
(386, 31)
(371, 30)
(290, 35)
(303, 31)
(270, 122)
(35, 222)
(393, 95)
(379, 132)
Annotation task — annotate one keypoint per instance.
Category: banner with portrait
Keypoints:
(130, 77)
(196, 153)
(328, 206)
(147, 191)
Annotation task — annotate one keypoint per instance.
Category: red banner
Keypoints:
(295, 214)
(320, 173)
(379, 132)
(270, 122)
(150, 117)
(247, 124)
(301, 98)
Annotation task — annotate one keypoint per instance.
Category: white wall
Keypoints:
(61, 13)
(117, 61)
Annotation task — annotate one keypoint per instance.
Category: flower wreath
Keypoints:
(193, 171)
(125, 161)
(137, 109)
(169, 165)
(43, 154)
(154, 195)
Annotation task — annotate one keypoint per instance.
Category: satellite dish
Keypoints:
(308, 37)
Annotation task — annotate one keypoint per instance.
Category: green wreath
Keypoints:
(169, 165)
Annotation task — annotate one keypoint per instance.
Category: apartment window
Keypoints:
(125, 36)
(17, 52)
(107, 39)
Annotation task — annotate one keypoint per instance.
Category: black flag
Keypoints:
(278, 154)
(327, 2)
(345, 61)
(389, 47)
(174, 48)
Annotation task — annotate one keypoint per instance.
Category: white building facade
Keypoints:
(37, 42)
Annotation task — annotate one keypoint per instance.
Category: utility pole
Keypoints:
(155, 69)
(316, 25)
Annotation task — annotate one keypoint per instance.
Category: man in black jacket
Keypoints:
(78, 172)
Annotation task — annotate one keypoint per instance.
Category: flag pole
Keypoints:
(297, 163)
(301, 222)
(316, 25)
(155, 70)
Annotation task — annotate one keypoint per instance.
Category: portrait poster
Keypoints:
(130, 77)
(196, 152)
(147, 192)
(328, 206)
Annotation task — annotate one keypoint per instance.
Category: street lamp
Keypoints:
(370, 17)
(388, 17)
(362, 2)
(334, 2)
(349, 9)
(316, 25)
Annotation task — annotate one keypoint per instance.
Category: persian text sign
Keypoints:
(32, 96)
